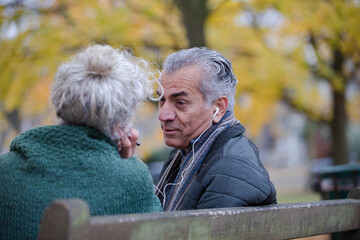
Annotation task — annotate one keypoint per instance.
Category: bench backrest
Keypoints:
(70, 219)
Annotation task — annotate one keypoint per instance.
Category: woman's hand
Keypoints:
(127, 142)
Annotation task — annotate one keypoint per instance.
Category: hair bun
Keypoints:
(99, 66)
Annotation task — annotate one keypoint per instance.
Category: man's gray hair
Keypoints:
(100, 87)
(218, 78)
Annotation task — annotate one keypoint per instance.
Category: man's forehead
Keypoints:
(187, 70)
(185, 79)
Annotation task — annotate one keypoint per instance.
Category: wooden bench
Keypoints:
(70, 219)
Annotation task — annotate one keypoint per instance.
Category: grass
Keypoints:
(297, 196)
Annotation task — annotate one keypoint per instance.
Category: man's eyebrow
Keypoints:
(174, 95)
(182, 93)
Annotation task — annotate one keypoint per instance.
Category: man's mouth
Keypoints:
(169, 131)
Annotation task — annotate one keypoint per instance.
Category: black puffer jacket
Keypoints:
(231, 175)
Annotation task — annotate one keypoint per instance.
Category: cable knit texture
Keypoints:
(58, 162)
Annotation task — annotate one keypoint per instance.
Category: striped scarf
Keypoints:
(189, 164)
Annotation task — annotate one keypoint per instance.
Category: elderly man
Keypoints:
(213, 164)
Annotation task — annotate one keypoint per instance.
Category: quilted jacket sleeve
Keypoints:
(231, 175)
(234, 182)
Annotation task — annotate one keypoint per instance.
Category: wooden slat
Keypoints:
(282, 221)
(352, 234)
(65, 220)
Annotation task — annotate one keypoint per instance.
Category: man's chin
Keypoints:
(171, 142)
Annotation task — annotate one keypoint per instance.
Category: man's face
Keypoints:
(182, 110)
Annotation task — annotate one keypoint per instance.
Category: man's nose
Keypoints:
(166, 113)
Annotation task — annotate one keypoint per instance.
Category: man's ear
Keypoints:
(222, 103)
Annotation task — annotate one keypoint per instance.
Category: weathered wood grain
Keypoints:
(282, 221)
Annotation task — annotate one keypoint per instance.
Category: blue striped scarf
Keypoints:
(189, 164)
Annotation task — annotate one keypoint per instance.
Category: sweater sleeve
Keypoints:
(142, 189)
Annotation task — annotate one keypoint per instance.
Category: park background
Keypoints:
(297, 63)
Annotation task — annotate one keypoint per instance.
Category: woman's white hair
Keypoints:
(100, 87)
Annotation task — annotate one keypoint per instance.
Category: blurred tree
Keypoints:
(286, 51)
(194, 14)
(330, 50)
(35, 36)
(281, 50)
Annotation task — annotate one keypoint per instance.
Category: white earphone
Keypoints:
(217, 110)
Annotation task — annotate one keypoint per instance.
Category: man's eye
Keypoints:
(180, 103)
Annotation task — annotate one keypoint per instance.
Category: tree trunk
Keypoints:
(13, 118)
(338, 129)
(339, 122)
(194, 14)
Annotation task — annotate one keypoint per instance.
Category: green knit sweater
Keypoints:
(58, 162)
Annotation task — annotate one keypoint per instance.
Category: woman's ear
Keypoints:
(221, 103)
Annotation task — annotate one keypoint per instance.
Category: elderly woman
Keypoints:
(95, 95)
